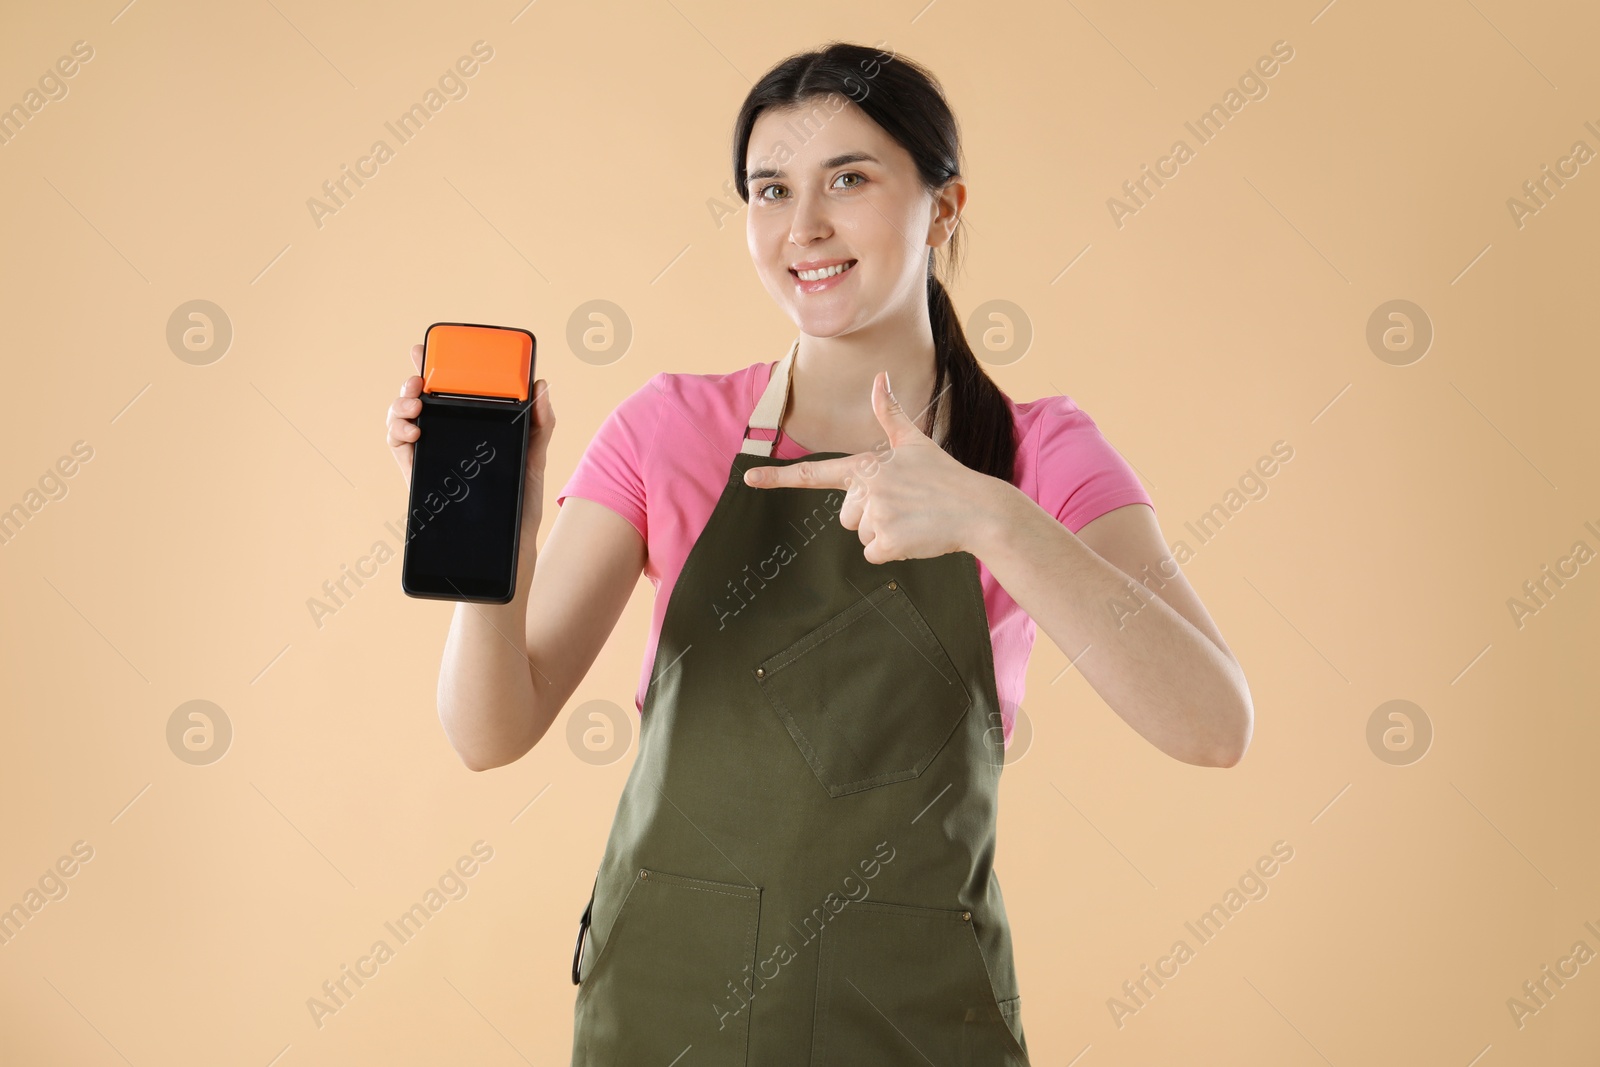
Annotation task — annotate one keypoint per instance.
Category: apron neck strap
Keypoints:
(772, 406)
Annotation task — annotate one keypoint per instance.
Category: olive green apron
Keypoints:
(800, 870)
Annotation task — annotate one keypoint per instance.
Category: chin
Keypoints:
(832, 325)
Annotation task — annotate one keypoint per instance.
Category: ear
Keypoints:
(952, 199)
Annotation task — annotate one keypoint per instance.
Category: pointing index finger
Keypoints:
(808, 474)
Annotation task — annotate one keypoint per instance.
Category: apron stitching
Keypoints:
(988, 984)
(927, 632)
(975, 593)
(706, 884)
(803, 742)
(750, 935)
(810, 640)
(703, 889)
(852, 614)
(703, 834)
(855, 785)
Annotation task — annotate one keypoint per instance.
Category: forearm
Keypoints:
(1164, 677)
(487, 700)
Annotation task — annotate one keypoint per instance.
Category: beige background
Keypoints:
(1227, 314)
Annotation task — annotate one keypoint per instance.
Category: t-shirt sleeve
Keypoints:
(611, 469)
(1081, 476)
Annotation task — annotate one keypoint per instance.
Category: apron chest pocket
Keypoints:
(870, 696)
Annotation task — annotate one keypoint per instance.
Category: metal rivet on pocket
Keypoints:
(891, 585)
(643, 873)
(761, 672)
(966, 916)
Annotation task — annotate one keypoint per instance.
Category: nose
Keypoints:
(809, 222)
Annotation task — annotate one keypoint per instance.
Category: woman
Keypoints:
(800, 866)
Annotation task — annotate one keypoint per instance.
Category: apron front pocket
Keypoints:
(870, 696)
(898, 984)
(660, 983)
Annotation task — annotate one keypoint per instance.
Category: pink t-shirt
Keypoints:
(661, 460)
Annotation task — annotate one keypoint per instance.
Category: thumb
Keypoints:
(891, 416)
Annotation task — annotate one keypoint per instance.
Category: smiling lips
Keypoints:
(822, 275)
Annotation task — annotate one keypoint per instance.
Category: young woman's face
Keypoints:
(846, 193)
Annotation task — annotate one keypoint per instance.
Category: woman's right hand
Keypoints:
(403, 433)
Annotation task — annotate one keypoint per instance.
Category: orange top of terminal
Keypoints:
(476, 361)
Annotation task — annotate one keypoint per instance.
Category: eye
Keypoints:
(761, 193)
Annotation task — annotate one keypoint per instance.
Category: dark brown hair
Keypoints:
(906, 100)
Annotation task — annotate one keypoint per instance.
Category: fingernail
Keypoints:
(887, 383)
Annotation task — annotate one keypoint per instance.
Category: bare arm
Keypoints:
(508, 669)
(1113, 599)
(1147, 646)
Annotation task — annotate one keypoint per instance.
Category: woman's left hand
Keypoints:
(908, 499)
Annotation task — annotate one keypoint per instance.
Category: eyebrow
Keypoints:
(827, 164)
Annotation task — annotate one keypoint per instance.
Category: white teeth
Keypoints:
(825, 272)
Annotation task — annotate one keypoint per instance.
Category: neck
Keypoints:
(832, 385)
